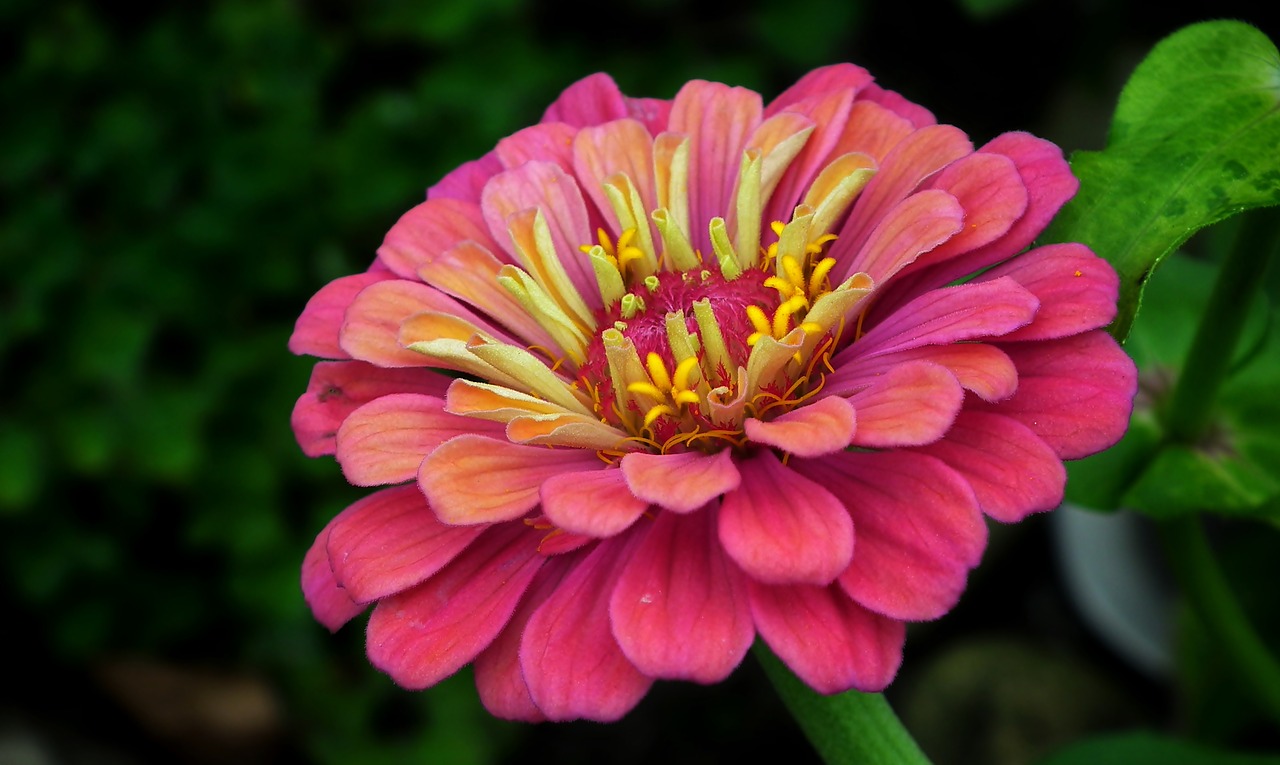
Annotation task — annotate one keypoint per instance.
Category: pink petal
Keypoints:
(828, 113)
(782, 528)
(590, 101)
(991, 192)
(680, 609)
(546, 142)
(1013, 472)
(830, 642)
(329, 602)
(316, 331)
(601, 152)
(499, 678)
(911, 404)
(469, 272)
(819, 83)
(825, 426)
(918, 115)
(474, 479)
(1076, 289)
(1076, 392)
(421, 636)
(949, 315)
(980, 368)
(427, 231)
(718, 119)
(547, 187)
(465, 182)
(919, 530)
(1049, 183)
(572, 663)
(371, 331)
(390, 541)
(872, 130)
(594, 503)
(680, 482)
(913, 227)
(911, 161)
(384, 441)
(338, 388)
(653, 113)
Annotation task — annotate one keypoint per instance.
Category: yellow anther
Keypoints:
(647, 389)
(658, 372)
(782, 317)
(819, 276)
(816, 245)
(777, 227)
(687, 397)
(657, 412)
(793, 271)
(684, 370)
(785, 288)
(758, 320)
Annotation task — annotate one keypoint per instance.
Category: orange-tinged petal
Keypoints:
(681, 482)
(475, 479)
(812, 430)
(384, 441)
(596, 503)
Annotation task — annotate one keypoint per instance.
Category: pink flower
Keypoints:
(708, 372)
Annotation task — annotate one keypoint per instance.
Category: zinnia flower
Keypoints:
(653, 378)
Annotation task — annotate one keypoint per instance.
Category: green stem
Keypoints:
(849, 728)
(1210, 596)
(1209, 359)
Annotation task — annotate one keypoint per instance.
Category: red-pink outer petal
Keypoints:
(782, 528)
(425, 634)
(680, 608)
(390, 541)
(830, 642)
(571, 661)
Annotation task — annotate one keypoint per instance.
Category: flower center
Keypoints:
(684, 357)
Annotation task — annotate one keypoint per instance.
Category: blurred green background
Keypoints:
(177, 179)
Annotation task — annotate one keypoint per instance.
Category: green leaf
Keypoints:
(1192, 142)
(1184, 480)
(1150, 749)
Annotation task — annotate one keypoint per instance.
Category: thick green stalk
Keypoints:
(1187, 419)
(1210, 596)
(848, 728)
(1216, 338)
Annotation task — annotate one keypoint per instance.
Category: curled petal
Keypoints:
(911, 404)
(572, 663)
(980, 368)
(781, 527)
(1076, 392)
(830, 642)
(680, 608)
(949, 315)
(595, 503)
(1076, 289)
(390, 541)
(919, 530)
(421, 636)
(475, 479)
(822, 427)
(680, 482)
(1013, 472)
